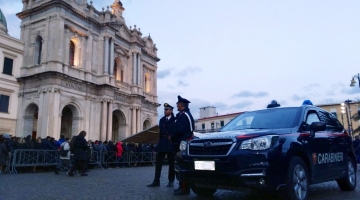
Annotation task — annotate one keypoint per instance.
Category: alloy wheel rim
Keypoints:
(300, 182)
(351, 173)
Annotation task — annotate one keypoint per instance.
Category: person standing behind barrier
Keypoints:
(119, 154)
(64, 160)
(29, 142)
(184, 127)
(46, 144)
(165, 147)
(3, 154)
(79, 148)
(60, 141)
(89, 153)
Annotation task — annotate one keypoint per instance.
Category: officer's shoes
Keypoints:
(154, 184)
(170, 184)
(182, 192)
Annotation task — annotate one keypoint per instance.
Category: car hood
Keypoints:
(243, 134)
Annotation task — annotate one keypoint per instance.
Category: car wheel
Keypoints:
(348, 183)
(203, 191)
(297, 180)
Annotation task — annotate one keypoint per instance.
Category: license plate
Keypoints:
(205, 165)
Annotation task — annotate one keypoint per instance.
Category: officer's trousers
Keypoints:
(159, 161)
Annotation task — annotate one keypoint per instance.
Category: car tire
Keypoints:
(203, 191)
(297, 180)
(348, 183)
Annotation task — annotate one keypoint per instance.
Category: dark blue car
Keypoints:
(275, 149)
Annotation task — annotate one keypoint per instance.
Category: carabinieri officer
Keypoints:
(165, 147)
(184, 127)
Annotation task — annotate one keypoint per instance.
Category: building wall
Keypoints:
(213, 120)
(90, 93)
(11, 48)
(342, 117)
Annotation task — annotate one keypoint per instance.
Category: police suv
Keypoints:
(283, 149)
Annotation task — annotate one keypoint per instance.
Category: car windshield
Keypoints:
(265, 119)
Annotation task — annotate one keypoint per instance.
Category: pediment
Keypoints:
(124, 33)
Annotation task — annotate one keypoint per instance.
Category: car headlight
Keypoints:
(183, 145)
(259, 143)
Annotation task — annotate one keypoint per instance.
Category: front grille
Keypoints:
(209, 147)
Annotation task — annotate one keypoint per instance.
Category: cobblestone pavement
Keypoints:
(129, 183)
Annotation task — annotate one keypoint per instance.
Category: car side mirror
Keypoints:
(317, 126)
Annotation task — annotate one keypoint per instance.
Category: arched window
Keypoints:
(72, 54)
(38, 49)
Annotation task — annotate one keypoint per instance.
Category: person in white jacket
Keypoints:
(64, 160)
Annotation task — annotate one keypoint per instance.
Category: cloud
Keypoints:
(351, 90)
(311, 86)
(296, 97)
(163, 73)
(242, 104)
(182, 83)
(247, 93)
(189, 70)
(283, 103)
(326, 101)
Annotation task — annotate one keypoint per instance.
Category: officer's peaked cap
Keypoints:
(180, 99)
(166, 105)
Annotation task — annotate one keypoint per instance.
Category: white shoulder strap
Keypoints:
(191, 127)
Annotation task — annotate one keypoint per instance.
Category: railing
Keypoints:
(32, 158)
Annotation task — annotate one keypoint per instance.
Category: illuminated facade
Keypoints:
(84, 69)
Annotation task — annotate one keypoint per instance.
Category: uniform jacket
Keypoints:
(167, 128)
(356, 144)
(184, 126)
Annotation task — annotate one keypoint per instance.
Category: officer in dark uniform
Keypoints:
(165, 147)
(184, 127)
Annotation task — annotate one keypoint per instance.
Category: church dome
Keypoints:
(3, 25)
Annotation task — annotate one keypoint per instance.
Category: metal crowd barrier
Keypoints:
(32, 158)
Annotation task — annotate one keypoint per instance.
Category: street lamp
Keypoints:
(353, 81)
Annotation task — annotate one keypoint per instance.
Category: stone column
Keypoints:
(133, 123)
(134, 68)
(109, 129)
(67, 47)
(103, 120)
(82, 59)
(154, 91)
(40, 115)
(138, 120)
(139, 70)
(25, 4)
(106, 56)
(112, 57)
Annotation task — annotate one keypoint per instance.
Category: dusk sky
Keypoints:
(239, 55)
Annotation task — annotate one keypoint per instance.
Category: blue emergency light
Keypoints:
(307, 102)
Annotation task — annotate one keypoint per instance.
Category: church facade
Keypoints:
(11, 59)
(84, 69)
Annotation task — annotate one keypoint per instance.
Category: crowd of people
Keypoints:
(9, 143)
